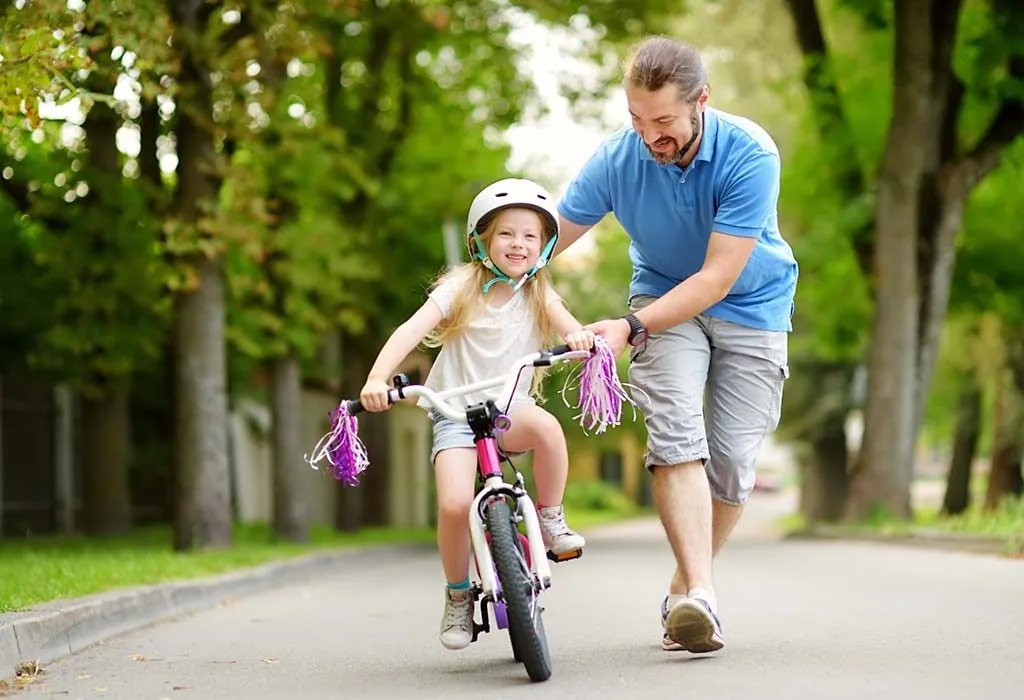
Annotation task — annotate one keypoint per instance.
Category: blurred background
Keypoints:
(212, 214)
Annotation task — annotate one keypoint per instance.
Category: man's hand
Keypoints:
(615, 332)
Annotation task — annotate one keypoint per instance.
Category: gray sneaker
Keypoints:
(691, 626)
(457, 623)
(561, 542)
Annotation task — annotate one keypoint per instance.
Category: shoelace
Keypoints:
(556, 525)
(455, 614)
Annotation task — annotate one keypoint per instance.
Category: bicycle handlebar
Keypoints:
(544, 358)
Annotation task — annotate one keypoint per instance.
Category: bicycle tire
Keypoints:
(525, 625)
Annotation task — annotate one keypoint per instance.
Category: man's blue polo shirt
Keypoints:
(731, 187)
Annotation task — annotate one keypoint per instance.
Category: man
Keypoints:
(711, 302)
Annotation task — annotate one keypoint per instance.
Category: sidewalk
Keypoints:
(54, 630)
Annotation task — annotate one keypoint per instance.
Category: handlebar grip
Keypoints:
(548, 356)
(355, 406)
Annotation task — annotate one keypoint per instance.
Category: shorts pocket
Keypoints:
(775, 410)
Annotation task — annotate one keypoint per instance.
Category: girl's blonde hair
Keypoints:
(469, 280)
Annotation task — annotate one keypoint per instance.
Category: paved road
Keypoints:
(802, 620)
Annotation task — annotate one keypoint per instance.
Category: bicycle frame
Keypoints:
(485, 419)
(489, 465)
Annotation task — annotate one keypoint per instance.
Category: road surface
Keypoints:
(803, 619)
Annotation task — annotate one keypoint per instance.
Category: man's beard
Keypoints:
(696, 126)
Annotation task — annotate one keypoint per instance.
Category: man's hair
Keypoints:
(658, 61)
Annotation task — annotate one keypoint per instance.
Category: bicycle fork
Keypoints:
(489, 584)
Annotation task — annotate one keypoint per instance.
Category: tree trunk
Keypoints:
(937, 281)
(824, 482)
(1004, 477)
(149, 133)
(885, 469)
(203, 512)
(965, 445)
(366, 504)
(106, 448)
(943, 195)
(106, 433)
(290, 512)
(203, 508)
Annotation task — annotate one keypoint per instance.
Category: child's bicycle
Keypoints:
(510, 569)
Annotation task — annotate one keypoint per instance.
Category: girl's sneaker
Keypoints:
(457, 623)
(562, 543)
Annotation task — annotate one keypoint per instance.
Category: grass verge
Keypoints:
(1005, 522)
(40, 569)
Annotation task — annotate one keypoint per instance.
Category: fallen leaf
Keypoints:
(143, 657)
(28, 668)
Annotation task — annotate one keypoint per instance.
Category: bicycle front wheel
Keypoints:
(525, 626)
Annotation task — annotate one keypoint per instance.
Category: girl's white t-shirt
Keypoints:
(487, 348)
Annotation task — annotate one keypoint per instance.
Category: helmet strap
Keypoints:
(499, 276)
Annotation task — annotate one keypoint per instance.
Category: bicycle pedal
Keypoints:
(565, 556)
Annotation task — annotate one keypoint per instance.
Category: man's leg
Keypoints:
(724, 517)
(670, 373)
(683, 500)
(744, 401)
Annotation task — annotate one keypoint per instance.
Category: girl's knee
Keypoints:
(549, 430)
(454, 507)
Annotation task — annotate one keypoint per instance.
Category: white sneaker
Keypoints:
(562, 542)
(690, 625)
(457, 623)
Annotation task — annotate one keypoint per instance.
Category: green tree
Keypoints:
(953, 111)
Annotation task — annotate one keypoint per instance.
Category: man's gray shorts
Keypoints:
(713, 392)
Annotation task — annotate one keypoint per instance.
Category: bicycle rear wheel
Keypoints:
(525, 625)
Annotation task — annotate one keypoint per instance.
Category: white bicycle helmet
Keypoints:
(511, 192)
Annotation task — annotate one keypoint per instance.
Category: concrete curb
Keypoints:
(930, 539)
(57, 629)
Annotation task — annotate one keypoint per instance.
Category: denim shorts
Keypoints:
(710, 390)
(450, 434)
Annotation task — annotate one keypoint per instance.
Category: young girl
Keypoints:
(484, 315)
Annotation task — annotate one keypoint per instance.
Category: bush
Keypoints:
(597, 495)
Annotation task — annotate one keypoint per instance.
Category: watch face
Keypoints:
(639, 338)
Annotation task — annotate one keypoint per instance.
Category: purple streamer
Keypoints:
(342, 448)
(601, 393)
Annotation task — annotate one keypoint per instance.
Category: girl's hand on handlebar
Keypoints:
(374, 395)
(580, 340)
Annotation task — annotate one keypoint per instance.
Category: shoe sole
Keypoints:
(690, 626)
(669, 645)
(455, 648)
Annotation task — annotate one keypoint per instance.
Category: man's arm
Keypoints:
(726, 257)
(568, 233)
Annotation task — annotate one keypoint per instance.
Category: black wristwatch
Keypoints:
(637, 333)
